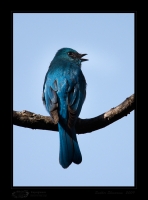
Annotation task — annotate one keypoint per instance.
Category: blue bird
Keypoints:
(64, 92)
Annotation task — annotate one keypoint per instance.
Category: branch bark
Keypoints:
(28, 119)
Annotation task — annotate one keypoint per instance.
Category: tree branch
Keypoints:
(35, 121)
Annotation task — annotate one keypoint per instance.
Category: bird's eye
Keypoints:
(70, 53)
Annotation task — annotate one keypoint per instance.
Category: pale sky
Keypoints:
(108, 153)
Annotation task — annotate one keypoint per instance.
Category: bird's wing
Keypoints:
(50, 98)
(76, 98)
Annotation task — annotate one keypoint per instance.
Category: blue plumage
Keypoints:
(64, 92)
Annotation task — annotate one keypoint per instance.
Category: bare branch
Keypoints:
(35, 121)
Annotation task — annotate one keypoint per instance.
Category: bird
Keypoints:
(64, 92)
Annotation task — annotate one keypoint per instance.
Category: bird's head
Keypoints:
(70, 55)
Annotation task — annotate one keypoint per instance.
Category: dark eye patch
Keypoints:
(70, 53)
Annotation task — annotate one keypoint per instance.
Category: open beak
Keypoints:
(82, 59)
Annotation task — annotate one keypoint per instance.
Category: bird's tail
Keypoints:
(69, 148)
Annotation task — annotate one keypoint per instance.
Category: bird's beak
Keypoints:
(82, 59)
